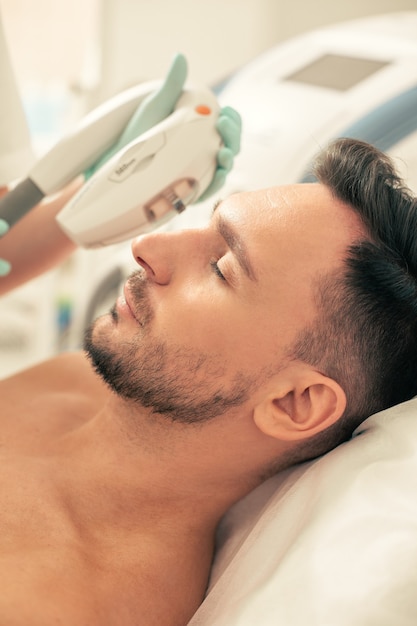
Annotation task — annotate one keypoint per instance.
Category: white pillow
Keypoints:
(332, 542)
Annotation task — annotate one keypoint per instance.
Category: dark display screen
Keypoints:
(336, 72)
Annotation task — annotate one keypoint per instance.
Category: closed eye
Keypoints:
(215, 267)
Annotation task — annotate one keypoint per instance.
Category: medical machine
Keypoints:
(355, 79)
(333, 540)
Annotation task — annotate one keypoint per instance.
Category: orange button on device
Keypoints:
(203, 109)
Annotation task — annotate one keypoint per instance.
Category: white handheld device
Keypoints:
(145, 183)
(151, 179)
(75, 152)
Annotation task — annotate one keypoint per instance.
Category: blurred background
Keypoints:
(70, 56)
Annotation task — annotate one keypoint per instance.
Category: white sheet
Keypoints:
(330, 543)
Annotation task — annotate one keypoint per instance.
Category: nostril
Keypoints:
(145, 265)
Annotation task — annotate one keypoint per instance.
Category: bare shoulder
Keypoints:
(65, 372)
(46, 400)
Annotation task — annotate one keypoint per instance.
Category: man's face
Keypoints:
(213, 312)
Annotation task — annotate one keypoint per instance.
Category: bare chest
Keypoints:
(52, 569)
(53, 572)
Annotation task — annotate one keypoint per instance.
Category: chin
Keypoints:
(100, 331)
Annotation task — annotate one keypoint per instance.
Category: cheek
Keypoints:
(215, 321)
(197, 314)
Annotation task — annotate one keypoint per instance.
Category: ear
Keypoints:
(300, 405)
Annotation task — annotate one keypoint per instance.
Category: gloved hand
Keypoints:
(157, 106)
(152, 110)
(4, 265)
(229, 126)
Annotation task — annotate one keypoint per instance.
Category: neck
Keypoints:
(129, 467)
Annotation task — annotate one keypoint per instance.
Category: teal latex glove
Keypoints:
(157, 106)
(152, 110)
(4, 265)
(229, 127)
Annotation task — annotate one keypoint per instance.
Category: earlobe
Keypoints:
(302, 409)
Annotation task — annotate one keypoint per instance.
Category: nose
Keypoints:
(162, 255)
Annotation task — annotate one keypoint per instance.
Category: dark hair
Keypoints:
(365, 335)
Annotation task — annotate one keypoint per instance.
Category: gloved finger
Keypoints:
(152, 110)
(158, 105)
(229, 133)
(218, 181)
(225, 158)
(229, 126)
(232, 114)
(4, 227)
(5, 267)
(173, 85)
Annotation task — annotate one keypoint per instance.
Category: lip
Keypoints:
(129, 300)
(125, 305)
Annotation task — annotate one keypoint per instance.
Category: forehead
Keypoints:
(304, 223)
(311, 204)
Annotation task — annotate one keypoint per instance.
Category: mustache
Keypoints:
(139, 288)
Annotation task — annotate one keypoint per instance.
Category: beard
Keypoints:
(180, 383)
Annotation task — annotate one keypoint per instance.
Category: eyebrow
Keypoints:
(235, 243)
